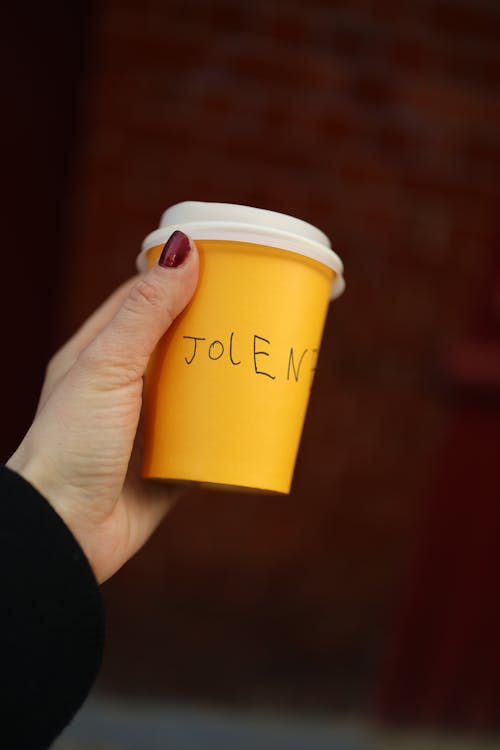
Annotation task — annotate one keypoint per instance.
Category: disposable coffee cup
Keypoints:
(227, 388)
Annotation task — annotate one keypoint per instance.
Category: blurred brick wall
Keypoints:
(39, 133)
(379, 122)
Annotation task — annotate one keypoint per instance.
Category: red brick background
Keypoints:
(378, 121)
(40, 129)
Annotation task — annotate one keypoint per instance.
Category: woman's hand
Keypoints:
(83, 450)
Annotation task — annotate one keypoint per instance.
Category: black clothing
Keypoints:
(52, 619)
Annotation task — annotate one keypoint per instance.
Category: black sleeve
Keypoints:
(51, 619)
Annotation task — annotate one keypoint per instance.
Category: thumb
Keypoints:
(120, 352)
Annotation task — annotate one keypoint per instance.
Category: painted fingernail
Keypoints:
(175, 251)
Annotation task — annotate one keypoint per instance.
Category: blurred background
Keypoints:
(363, 610)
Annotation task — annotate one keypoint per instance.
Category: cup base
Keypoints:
(192, 484)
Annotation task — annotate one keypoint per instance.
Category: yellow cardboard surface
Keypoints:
(227, 388)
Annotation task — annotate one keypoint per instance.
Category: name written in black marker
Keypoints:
(256, 353)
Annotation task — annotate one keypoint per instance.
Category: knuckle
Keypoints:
(145, 292)
(108, 371)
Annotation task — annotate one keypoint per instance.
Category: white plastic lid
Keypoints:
(229, 221)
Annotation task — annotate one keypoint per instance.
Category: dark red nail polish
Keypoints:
(175, 251)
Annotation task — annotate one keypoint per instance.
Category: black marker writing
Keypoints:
(195, 339)
(231, 350)
(211, 348)
(291, 364)
(261, 353)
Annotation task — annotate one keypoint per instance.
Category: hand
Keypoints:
(83, 450)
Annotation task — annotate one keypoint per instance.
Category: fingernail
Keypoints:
(175, 251)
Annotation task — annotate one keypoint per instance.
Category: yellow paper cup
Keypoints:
(226, 391)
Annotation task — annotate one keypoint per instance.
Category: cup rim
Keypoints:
(238, 231)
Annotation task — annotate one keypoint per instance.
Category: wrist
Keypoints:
(33, 471)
